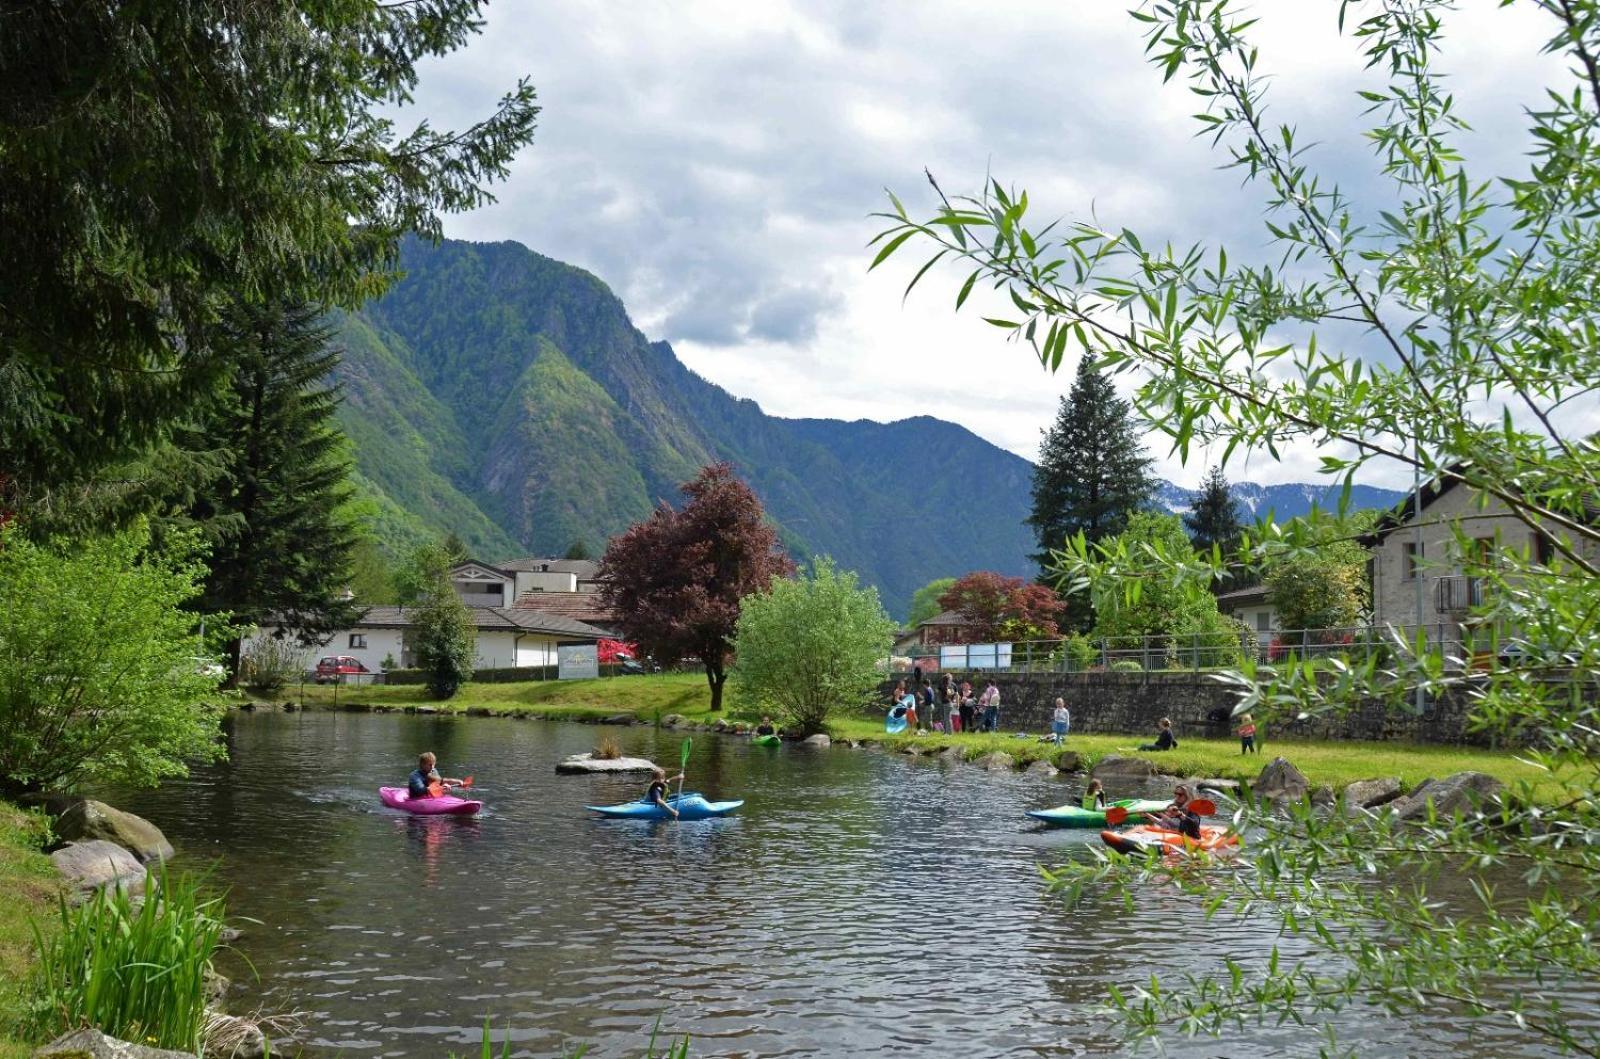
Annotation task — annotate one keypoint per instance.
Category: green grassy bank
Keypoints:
(28, 889)
(649, 697)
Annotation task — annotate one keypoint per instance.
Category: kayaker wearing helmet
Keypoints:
(657, 794)
(425, 781)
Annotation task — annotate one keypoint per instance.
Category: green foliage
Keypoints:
(925, 601)
(133, 969)
(269, 663)
(1081, 653)
(811, 645)
(1126, 665)
(275, 517)
(1320, 588)
(1213, 521)
(443, 639)
(1093, 473)
(100, 665)
(372, 575)
(1444, 331)
(268, 168)
(578, 549)
(1138, 597)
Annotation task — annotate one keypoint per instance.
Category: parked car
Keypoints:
(339, 668)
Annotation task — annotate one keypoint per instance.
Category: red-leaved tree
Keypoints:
(674, 581)
(996, 607)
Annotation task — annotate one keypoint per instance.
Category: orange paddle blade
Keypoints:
(467, 782)
(1202, 806)
(435, 790)
(1116, 814)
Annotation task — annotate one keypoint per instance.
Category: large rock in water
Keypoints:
(84, 819)
(97, 865)
(1369, 794)
(1280, 781)
(1456, 795)
(997, 761)
(579, 764)
(819, 740)
(92, 1044)
(1116, 767)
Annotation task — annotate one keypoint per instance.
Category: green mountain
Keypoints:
(506, 397)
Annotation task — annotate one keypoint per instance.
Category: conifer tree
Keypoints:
(1214, 518)
(1093, 473)
(276, 516)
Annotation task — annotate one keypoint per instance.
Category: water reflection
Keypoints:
(859, 904)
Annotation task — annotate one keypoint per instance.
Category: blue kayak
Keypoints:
(896, 721)
(689, 806)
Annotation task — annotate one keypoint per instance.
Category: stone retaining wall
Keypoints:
(1134, 702)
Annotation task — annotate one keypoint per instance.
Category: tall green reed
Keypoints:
(135, 970)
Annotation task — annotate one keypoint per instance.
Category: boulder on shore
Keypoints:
(997, 761)
(1069, 761)
(85, 819)
(1280, 781)
(1370, 794)
(1043, 768)
(1119, 767)
(90, 1043)
(579, 764)
(1455, 795)
(96, 865)
(953, 753)
(672, 720)
(819, 740)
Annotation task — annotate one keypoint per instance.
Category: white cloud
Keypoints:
(715, 162)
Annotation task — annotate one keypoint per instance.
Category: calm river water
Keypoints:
(861, 904)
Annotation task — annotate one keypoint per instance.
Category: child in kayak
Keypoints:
(1094, 797)
(766, 727)
(425, 781)
(657, 794)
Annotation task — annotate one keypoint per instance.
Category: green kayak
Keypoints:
(766, 740)
(1078, 816)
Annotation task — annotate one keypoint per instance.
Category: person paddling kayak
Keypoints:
(1179, 817)
(657, 794)
(1094, 797)
(425, 781)
(766, 727)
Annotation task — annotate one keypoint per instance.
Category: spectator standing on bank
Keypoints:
(1060, 721)
(990, 701)
(965, 714)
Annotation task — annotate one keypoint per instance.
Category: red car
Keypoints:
(340, 668)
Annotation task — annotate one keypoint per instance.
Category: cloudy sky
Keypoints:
(716, 162)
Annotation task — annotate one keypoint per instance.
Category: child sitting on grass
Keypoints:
(1164, 737)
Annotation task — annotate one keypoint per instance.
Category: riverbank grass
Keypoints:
(29, 886)
(1337, 764)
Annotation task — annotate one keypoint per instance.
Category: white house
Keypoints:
(1254, 607)
(483, 584)
(507, 637)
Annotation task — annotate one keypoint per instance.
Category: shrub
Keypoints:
(269, 665)
(135, 971)
(607, 749)
(1126, 665)
(1082, 653)
(100, 665)
(811, 645)
(442, 636)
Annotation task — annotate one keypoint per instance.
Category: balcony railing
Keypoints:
(1457, 595)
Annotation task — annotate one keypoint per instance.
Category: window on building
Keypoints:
(1263, 621)
(358, 640)
(1411, 560)
(1544, 549)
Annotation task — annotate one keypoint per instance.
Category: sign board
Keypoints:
(578, 662)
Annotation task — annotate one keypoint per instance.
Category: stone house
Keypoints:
(1254, 607)
(1416, 564)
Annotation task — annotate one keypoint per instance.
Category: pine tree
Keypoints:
(275, 517)
(1214, 518)
(1093, 473)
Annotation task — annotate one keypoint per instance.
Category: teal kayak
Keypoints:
(896, 721)
(1078, 816)
(689, 806)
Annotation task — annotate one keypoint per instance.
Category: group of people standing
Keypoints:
(947, 706)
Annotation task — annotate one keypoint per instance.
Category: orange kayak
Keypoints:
(1138, 840)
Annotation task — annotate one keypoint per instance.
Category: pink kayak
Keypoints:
(400, 798)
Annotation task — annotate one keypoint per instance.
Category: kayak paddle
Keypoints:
(1117, 814)
(1202, 806)
(683, 763)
